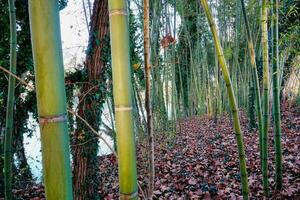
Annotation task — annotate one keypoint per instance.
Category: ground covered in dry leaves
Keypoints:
(200, 162)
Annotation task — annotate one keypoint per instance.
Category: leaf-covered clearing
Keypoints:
(201, 162)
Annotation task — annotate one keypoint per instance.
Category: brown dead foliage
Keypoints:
(201, 162)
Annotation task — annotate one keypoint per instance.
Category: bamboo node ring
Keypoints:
(129, 196)
(123, 108)
(53, 118)
(118, 12)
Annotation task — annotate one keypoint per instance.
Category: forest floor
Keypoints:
(200, 161)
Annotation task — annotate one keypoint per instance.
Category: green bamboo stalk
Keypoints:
(232, 101)
(236, 68)
(148, 98)
(165, 77)
(123, 98)
(51, 98)
(10, 103)
(276, 97)
(218, 85)
(175, 108)
(254, 76)
(265, 57)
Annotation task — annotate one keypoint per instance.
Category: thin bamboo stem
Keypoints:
(276, 98)
(232, 101)
(148, 99)
(265, 56)
(10, 103)
(254, 76)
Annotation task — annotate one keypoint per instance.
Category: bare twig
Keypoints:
(16, 77)
(86, 93)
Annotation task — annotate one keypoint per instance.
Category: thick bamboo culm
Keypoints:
(10, 103)
(232, 101)
(51, 98)
(122, 91)
(265, 57)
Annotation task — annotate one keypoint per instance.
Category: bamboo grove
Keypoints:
(152, 64)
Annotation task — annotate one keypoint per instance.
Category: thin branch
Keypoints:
(86, 93)
(80, 144)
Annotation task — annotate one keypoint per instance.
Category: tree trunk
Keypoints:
(93, 94)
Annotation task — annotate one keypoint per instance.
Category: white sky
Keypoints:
(74, 33)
